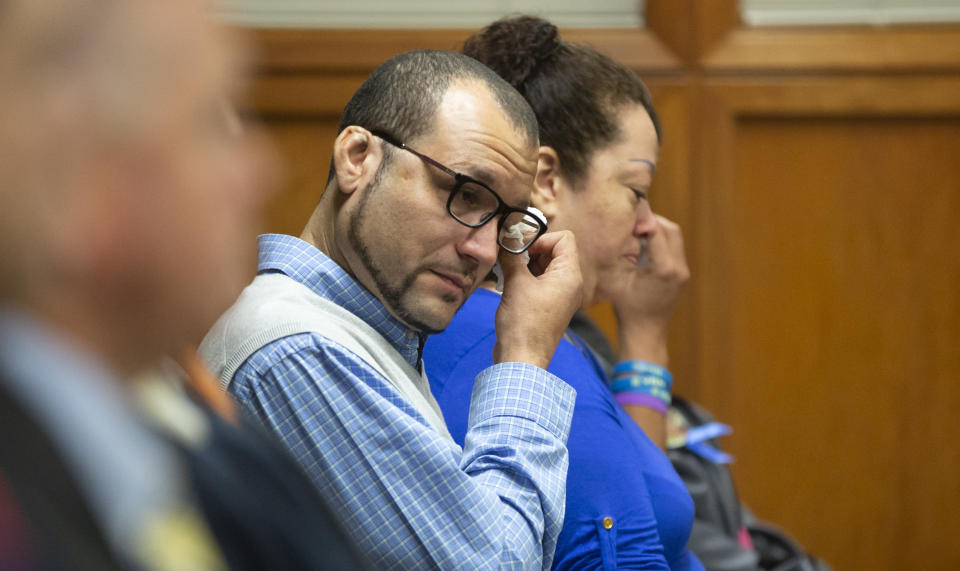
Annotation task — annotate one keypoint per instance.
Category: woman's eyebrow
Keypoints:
(653, 166)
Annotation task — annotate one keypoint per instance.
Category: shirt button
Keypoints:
(607, 522)
(411, 334)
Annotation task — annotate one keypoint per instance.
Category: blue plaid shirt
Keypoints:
(412, 498)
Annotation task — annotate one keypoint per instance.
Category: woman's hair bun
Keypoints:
(514, 47)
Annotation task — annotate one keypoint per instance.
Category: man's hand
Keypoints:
(538, 300)
(644, 305)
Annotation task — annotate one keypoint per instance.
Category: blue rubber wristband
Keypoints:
(638, 383)
(633, 367)
(642, 385)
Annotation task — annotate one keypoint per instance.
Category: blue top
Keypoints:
(615, 471)
(412, 498)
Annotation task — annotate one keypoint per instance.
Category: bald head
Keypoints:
(124, 185)
(401, 97)
(114, 59)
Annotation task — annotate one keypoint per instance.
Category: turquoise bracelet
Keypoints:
(634, 367)
(638, 384)
(635, 380)
(642, 384)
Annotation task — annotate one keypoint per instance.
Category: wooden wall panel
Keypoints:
(849, 49)
(305, 147)
(829, 259)
(334, 51)
(843, 250)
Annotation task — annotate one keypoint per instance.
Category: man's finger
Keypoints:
(542, 252)
(510, 264)
(563, 253)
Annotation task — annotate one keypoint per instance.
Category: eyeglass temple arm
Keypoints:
(423, 157)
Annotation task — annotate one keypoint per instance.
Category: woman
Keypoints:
(626, 506)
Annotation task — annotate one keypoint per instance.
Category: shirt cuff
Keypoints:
(524, 391)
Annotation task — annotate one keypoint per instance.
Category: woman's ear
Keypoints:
(547, 183)
(355, 158)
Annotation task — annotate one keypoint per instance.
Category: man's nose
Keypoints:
(480, 244)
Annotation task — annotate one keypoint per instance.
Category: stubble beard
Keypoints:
(393, 297)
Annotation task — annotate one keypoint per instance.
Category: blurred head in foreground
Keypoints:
(129, 194)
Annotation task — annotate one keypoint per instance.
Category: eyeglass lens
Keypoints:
(518, 231)
(474, 205)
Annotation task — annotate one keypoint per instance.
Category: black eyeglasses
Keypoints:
(473, 204)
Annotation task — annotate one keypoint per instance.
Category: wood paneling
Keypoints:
(815, 174)
(363, 50)
(692, 27)
(827, 266)
(908, 49)
(840, 251)
(306, 146)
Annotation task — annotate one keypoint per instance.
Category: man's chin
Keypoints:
(431, 319)
(426, 326)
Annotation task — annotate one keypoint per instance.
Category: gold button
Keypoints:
(607, 522)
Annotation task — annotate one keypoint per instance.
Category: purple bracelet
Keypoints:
(641, 399)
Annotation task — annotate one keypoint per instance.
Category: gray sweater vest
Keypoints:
(275, 306)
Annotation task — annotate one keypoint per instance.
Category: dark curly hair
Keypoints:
(575, 91)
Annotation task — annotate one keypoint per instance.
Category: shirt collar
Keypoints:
(309, 266)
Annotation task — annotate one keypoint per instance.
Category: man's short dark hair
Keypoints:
(401, 97)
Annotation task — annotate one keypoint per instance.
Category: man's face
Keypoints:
(197, 205)
(400, 241)
(143, 196)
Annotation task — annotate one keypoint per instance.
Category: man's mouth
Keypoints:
(458, 281)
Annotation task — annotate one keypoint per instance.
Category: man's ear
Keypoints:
(548, 183)
(356, 156)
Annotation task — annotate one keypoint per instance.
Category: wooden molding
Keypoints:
(640, 50)
(361, 51)
(312, 73)
(825, 96)
(692, 28)
(848, 49)
(680, 39)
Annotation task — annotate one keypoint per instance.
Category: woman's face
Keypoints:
(608, 210)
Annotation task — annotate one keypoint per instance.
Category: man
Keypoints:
(324, 346)
(99, 137)
(127, 197)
